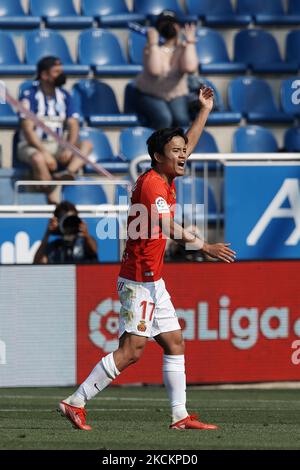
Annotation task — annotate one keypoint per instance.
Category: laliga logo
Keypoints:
(104, 325)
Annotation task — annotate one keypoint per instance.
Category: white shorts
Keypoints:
(146, 308)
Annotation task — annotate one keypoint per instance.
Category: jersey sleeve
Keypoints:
(154, 196)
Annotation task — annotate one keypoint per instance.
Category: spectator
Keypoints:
(53, 105)
(162, 86)
(73, 245)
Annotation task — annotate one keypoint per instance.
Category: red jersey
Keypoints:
(145, 247)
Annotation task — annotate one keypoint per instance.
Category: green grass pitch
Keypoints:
(138, 418)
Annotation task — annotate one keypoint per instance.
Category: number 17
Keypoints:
(144, 305)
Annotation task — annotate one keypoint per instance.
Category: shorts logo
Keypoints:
(142, 326)
(161, 205)
(120, 285)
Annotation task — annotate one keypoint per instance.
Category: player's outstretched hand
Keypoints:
(220, 251)
(206, 97)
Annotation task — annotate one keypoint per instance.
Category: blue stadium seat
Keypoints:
(12, 16)
(8, 117)
(266, 12)
(10, 63)
(222, 115)
(110, 13)
(45, 42)
(292, 140)
(290, 96)
(212, 54)
(59, 14)
(102, 152)
(136, 44)
(84, 194)
(206, 144)
(152, 8)
(254, 99)
(254, 139)
(96, 102)
(132, 142)
(258, 49)
(294, 9)
(25, 86)
(216, 13)
(292, 48)
(186, 195)
(102, 50)
(121, 194)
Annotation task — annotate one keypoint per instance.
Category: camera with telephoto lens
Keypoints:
(69, 224)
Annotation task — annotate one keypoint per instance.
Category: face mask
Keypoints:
(60, 80)
(167, 30)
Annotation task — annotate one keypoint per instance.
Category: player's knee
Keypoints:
(134, 354)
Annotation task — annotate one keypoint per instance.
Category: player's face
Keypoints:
(174, 158)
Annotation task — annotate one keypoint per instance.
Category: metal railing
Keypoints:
(25, 183)
(222, 159)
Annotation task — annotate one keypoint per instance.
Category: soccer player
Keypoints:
(146, 307)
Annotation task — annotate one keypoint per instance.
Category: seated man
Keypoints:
(54, 106)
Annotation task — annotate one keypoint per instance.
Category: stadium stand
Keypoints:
(290, 98)
(253, 98)
(84, 194)
(97, 104)
(213, 56)
(294, 8)
(101, 50)
(152, 8)
(254, 139)
(102, 152)
(45, 42)
(292, 47)
(206, 144)
(58, 14)
(292, 140)
(266, 12)
(13, 16)
(132, 142)
(8, 117)
(10, 64)
(121, 194)
(111, 14)
(258, 49)
(189, 192)
(216, 13)
(136, 44)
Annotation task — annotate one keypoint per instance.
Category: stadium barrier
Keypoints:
(257, 197)
(241, 323)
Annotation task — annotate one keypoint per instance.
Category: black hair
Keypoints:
(46, 63)
(64, 207)
(160, 138)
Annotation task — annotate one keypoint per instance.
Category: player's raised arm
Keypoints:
(173, 230)
(206, 99)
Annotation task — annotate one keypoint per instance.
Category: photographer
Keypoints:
(73, 244)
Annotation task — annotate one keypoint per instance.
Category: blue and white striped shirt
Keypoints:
(52, 110)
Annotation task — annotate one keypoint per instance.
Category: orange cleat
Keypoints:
(191, 422)
(76, 415)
